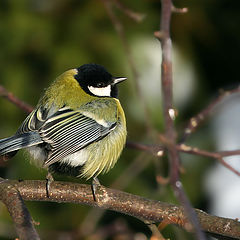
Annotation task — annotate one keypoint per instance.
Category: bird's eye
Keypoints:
(100, 85)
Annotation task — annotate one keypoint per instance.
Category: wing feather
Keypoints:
(66, 131)
(69, 131)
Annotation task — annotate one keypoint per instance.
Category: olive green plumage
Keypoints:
(78, 125)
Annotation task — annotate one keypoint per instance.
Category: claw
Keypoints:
(95, 185)
(49, 179)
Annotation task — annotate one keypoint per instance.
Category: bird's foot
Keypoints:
(49, 179)
(95, 186)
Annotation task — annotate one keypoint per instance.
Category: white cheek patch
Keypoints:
(101, 92)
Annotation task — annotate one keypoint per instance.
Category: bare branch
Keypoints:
(167, 88)
(144, 209)
(158, 150)
(170, 133)
(200, 117)
(16, 101)
(156, 235)
(217, 155)
(134, 168)
(23, 222)
(138, 17)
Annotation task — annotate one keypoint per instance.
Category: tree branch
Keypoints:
(158, 150)
(144, 209)
(16, 101)
(134, 168)
(195, 121)
(23, 222)
(216, 155)
(138, 17)
(169, 113)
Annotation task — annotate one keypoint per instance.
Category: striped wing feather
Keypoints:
(69, 131)
(66, 131)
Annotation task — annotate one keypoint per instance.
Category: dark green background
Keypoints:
(41, 39)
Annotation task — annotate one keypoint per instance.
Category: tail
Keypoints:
(19, 141)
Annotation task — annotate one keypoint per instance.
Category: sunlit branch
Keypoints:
(147, 210)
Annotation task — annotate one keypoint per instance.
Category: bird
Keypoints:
(78, 127)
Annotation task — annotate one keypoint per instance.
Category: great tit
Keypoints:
(78, 127)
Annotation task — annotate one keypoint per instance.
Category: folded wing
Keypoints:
(69, 131)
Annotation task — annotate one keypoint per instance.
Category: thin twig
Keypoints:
(200, 117)
(193, 150)
(157, 150)
(228, 166)
(16, 101)
(216, 155)
(138, 17)
(156, 235)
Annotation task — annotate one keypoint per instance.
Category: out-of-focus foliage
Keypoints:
(40, 39)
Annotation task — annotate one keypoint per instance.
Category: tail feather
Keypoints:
(19, 141)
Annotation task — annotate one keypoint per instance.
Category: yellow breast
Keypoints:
(103, 155)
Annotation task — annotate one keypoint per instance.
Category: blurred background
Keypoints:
(41, 39)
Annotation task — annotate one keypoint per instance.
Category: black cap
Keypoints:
(96, 76)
